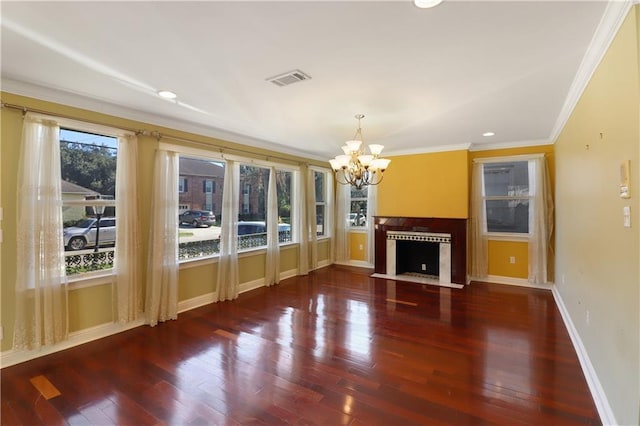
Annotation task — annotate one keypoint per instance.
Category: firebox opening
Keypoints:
(412, 255)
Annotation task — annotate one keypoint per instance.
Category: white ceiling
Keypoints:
(426, 79)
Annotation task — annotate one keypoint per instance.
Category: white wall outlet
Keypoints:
(424, 266)
(512, 260)
(588, 317)
(361, 247)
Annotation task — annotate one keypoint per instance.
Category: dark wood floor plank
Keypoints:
(336, 347)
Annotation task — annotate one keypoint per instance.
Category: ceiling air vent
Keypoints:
(289, 78)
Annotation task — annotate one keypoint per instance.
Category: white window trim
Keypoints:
(94, 278)
(506, 236)
(328, 203)
(220, 156)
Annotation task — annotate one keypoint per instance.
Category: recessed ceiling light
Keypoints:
(166, 94)
(425, 4)
(487, 134)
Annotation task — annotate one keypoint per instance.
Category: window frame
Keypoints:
(508, 236)
(87, 279)
(328, 200)
(357, 228)
(219, 156)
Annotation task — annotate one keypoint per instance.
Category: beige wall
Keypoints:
(597, 258)
(90, 306)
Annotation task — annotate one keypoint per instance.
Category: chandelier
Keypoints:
(356, 168)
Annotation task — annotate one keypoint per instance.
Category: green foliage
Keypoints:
(90, 166)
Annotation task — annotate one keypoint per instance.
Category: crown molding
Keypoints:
(507, 145)
(54, 95)
(614, 15)
(429, 150)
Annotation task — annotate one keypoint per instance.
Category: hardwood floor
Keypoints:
(336, 347)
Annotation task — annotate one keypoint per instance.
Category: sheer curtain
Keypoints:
(479, 241)
(272, 262)
(540, 222)
(343, 196)
(303, 223)
(228, 278)
(128, 291)
(372, 210)
(41, 290)
(311, 218)
(162, 269)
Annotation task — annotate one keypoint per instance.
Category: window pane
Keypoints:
(88, 170)
(319, 219)
(320, 192)
(358, 213)
(321, 195)
(508, 216)
(199, 207)
(283, 188)
(358, 193)
(506, 179)
(252, 230)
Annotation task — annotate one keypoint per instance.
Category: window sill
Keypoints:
(193, 263)
(359, 230)
(90, 279)
(508, 237)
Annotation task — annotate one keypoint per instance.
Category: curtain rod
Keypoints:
(155, 134)
(223, 149)
(25, 110)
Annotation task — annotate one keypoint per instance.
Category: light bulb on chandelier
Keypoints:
(355, 167)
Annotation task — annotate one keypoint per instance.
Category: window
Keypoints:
(207, 188)
(88, 171)
(506, 197)
(246, 191)
(283, 189)
(358, 210)
(182, 185)
(252, 230)
(321, 202)
(198, 211)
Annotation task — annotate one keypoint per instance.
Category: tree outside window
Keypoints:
(88, 171)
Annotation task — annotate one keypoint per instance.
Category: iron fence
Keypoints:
(78, 263)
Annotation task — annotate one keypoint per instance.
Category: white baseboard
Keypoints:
(521, 282)
(356, 263)
(11, 357)
(597, 392)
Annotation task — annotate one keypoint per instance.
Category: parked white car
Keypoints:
(83, 233)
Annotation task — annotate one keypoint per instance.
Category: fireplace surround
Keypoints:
(446, 237)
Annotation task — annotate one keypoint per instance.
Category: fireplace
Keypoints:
(432, 248)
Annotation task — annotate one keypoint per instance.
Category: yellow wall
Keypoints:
(92, 306)
(358, 246)
(426, 185)
(500, 254)
(500, 251)
(597, 259)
